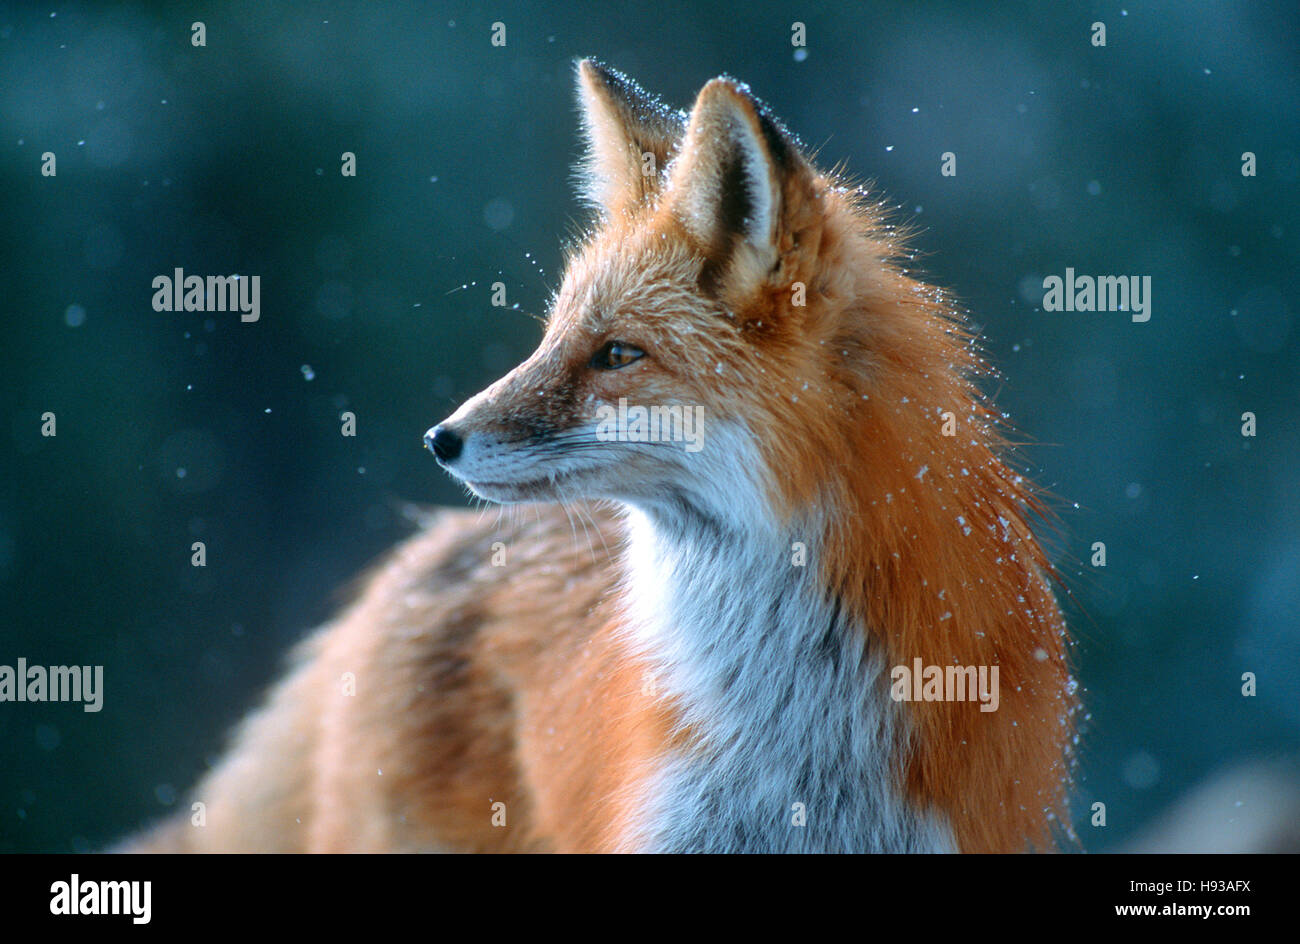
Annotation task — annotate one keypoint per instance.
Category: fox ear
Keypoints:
(729, 187)
(630, 137)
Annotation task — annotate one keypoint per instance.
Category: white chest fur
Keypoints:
(800, 742)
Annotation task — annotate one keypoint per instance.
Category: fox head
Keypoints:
(689, 327)
(735, 333)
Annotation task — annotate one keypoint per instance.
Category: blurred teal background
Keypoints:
(1117, 160)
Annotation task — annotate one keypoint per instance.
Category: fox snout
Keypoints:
(444, 442)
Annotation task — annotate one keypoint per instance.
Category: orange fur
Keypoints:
(898, 553)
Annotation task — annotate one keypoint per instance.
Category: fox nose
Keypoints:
(444, 442)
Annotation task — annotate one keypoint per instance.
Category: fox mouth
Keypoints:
(510, 492)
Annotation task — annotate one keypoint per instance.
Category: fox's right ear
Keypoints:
(630, 137)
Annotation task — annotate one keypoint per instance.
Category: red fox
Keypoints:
(749, 644)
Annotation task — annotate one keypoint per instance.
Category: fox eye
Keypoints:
(616, 354)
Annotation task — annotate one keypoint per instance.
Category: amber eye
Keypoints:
(616, 354)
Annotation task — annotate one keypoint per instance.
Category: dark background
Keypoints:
(1117, 160)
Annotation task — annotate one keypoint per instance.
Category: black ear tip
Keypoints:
(593, 68)
(781, 142)
(596, 74)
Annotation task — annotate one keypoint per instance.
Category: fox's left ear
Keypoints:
(631, 136)
(740, 187)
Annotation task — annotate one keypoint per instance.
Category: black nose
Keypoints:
(444, 442)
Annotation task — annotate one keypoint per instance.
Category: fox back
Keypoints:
(805, 528)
